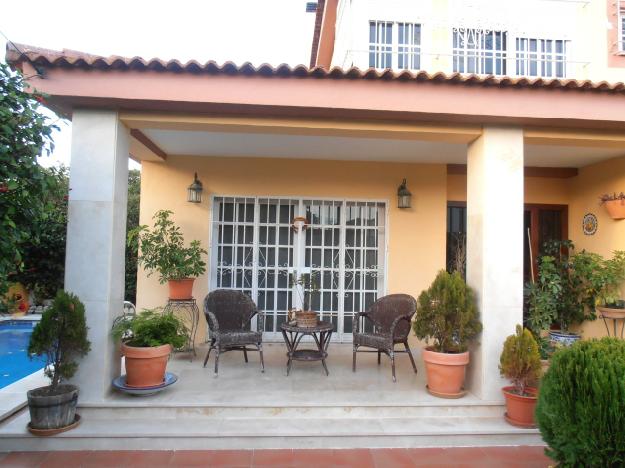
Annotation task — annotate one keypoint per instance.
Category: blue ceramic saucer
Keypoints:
(120, 384)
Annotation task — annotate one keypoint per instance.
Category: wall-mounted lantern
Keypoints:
(403, 196)
(194, 192)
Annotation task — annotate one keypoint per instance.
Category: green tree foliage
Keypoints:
(151, 328)
(61, 336)
(447, 314)
(581, 405)
(162, 249)
(24, 134)
(132, 222)
(44, 260)
(520, 359)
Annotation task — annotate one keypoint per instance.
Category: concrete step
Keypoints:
(184, 433)
(273, 412)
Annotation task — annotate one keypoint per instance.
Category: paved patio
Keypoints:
(468, 457)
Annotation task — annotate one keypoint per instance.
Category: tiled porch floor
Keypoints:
(466, 457)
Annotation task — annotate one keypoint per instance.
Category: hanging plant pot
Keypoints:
(145, 367)
(181, 289)
(520, 408)
(616, 208)
(445, 373)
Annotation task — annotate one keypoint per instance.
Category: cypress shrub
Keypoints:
(581, 406)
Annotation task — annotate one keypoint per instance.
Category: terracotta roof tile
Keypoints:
(74, 59)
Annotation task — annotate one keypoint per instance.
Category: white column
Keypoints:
(96, 233)
(494, 248)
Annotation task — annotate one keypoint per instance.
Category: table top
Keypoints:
(320, 327)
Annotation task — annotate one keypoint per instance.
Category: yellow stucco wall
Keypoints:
(416, 238)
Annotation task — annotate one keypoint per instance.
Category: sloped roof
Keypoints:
(19, 53)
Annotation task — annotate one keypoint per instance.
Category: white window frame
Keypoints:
(382, 250)
(620, 40)
(479, 54)
(411, 52)
(542, 59)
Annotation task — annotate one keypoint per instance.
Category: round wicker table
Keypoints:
(293, 334)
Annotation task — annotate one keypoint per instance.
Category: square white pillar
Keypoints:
(96, 235)
(494, 249)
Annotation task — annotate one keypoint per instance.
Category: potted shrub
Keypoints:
(615, 204)
(305, 284)
(162, 249)
(520, 362)
(61, 336)
(568, 288)
(447, 315)
(147, 341)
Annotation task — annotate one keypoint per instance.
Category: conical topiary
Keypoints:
(520, 359)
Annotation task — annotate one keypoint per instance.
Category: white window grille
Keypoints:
(394, 45)
(541, 57)
(479, 51)
(621, 26)
(254, 249)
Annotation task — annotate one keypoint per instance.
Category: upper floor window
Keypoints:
(394, 45)
(541, 57)
(479, 51)
(621, 25)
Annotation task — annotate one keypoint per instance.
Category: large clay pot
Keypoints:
(445, 373)
(520, 408)
(616, 208)
(52, 410)
(145, 367)
(181, 289)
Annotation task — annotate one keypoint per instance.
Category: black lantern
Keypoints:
(194, 192)
(403, 196)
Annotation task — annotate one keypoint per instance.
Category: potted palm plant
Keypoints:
(615, 204)
(147, 340)
(520, 362)
(60, 336)
(447, 315)
(162, 249)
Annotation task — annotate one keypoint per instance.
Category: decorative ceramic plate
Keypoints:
(120, 384)
(589, 224)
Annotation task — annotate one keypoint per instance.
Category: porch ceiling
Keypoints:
(241, 144)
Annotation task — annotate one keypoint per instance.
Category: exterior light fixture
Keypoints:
(194, 192)
(403, 196)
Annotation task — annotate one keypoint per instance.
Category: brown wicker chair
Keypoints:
(229, 314)
(391, 317)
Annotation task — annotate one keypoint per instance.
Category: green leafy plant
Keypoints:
(447, 314)
(581, 405)
(132, 246)
(306, 284)
(61, 336)
(162, 249)
(151, 328)
(520, 360)
(569, 286)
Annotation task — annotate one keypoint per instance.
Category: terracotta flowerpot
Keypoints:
(145, 367)
(445, 373)
(181, 289)
(520, 408)
(616, 208)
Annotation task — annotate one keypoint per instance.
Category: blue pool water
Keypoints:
(14, 361)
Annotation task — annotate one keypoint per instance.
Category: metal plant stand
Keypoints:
(187, 311)
(615, 315)
(293, 335)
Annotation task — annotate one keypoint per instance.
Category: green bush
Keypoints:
(520, 359)
(61, 336)
(151, 328)
(447, 314)
(581, 406)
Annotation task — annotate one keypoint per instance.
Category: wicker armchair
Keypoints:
(390, 316)
(229, 314)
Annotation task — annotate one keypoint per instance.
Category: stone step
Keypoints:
(253, 433)
(211, 411)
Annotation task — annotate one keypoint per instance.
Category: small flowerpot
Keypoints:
(445, 373)
(307, 318)
(181, 289)
(520, 408)
(50, 411)
(145, 367)
(616, 208)
(564, 339)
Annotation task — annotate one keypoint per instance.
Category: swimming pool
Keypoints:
(14, 361)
